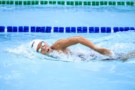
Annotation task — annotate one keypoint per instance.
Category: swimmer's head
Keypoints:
(34, 44)
(40, 46)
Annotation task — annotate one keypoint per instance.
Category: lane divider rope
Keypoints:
(69, 3)
(57, 29)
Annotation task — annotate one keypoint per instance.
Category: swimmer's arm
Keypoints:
(64, 43)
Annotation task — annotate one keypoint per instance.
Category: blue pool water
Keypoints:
(21, 68)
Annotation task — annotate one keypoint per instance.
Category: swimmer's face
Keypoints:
(43, 48)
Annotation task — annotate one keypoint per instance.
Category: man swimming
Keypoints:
(63, 44)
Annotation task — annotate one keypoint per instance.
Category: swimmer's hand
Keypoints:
(104, 51)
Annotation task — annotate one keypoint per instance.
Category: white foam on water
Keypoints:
(22, 50)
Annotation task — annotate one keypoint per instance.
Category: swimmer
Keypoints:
(63, 44)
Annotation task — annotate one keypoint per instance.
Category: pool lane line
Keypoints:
(60, 29)
(69, 3)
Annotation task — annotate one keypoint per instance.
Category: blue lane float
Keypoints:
(121, 29)
(2, 29)
(93, 29)
(35, 29)
(70, 29)
(56, 29)
(12, 29)
(81, 29)
(23, 29)
(105, 29)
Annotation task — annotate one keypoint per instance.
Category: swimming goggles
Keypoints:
(42, 45)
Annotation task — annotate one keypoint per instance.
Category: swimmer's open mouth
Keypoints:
(48, 50)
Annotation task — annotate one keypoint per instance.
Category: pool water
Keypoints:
(67, 16)
(22, 68)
